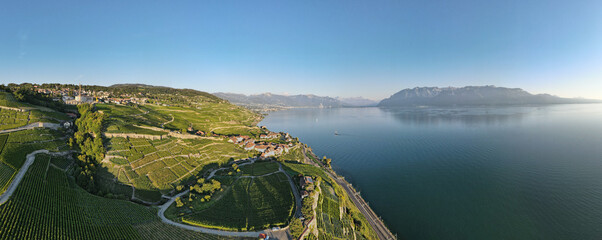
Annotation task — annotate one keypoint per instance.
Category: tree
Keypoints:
(326, 161)
(179, 202)
(296, 228)
(307, 207)
(71, 143)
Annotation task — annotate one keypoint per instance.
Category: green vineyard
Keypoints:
(251, 204)
(155, 166)
(47, 205)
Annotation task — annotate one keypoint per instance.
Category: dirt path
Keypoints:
(30, 158)
(168, 122)
(32, 126)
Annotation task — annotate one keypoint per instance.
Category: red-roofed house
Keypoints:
(250, 146)
(261, 148)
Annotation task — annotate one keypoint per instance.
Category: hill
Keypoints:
(137, 145)
(472, 95)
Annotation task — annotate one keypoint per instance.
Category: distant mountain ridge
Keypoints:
(267, 100)
(472, 95)
(358, 102)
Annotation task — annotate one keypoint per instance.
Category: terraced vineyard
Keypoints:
(332, 224)
(251, 204)
(12, 119)
(259, 168)
(222, 118)
(337, 217)
(154, 166)
(3, 138)
(47, 205)
(18, 144)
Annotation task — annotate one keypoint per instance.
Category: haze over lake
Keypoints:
(529, 172)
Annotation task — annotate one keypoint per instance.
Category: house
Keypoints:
(262, 236)
(250, 146)
(273, 135)
(200, 133)
(190, 129)
(261, 148)
(239, 138)
(283, 147)
(306, 183)
(233, 140)
(268, 153)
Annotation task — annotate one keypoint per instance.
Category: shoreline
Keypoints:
(377, 224)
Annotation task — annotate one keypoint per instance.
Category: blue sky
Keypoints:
(335, 48)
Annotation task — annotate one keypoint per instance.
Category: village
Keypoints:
(267, 149)
(76, 96)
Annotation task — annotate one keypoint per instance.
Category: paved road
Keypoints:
(377, 224)
(29, 160)
(274, 233)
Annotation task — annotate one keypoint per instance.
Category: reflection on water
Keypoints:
(468, 116)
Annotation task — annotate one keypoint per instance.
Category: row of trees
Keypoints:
(89, 140)
(25, 93)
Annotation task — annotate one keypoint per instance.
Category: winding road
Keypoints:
(280, 232)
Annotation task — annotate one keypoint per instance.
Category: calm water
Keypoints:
(466, 173)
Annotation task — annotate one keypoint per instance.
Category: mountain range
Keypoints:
(269, 100)
(418, 96)
(472, 95)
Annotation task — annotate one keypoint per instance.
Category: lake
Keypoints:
(529, 172)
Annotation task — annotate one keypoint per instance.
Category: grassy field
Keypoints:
(47, 205)
(250, 204)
